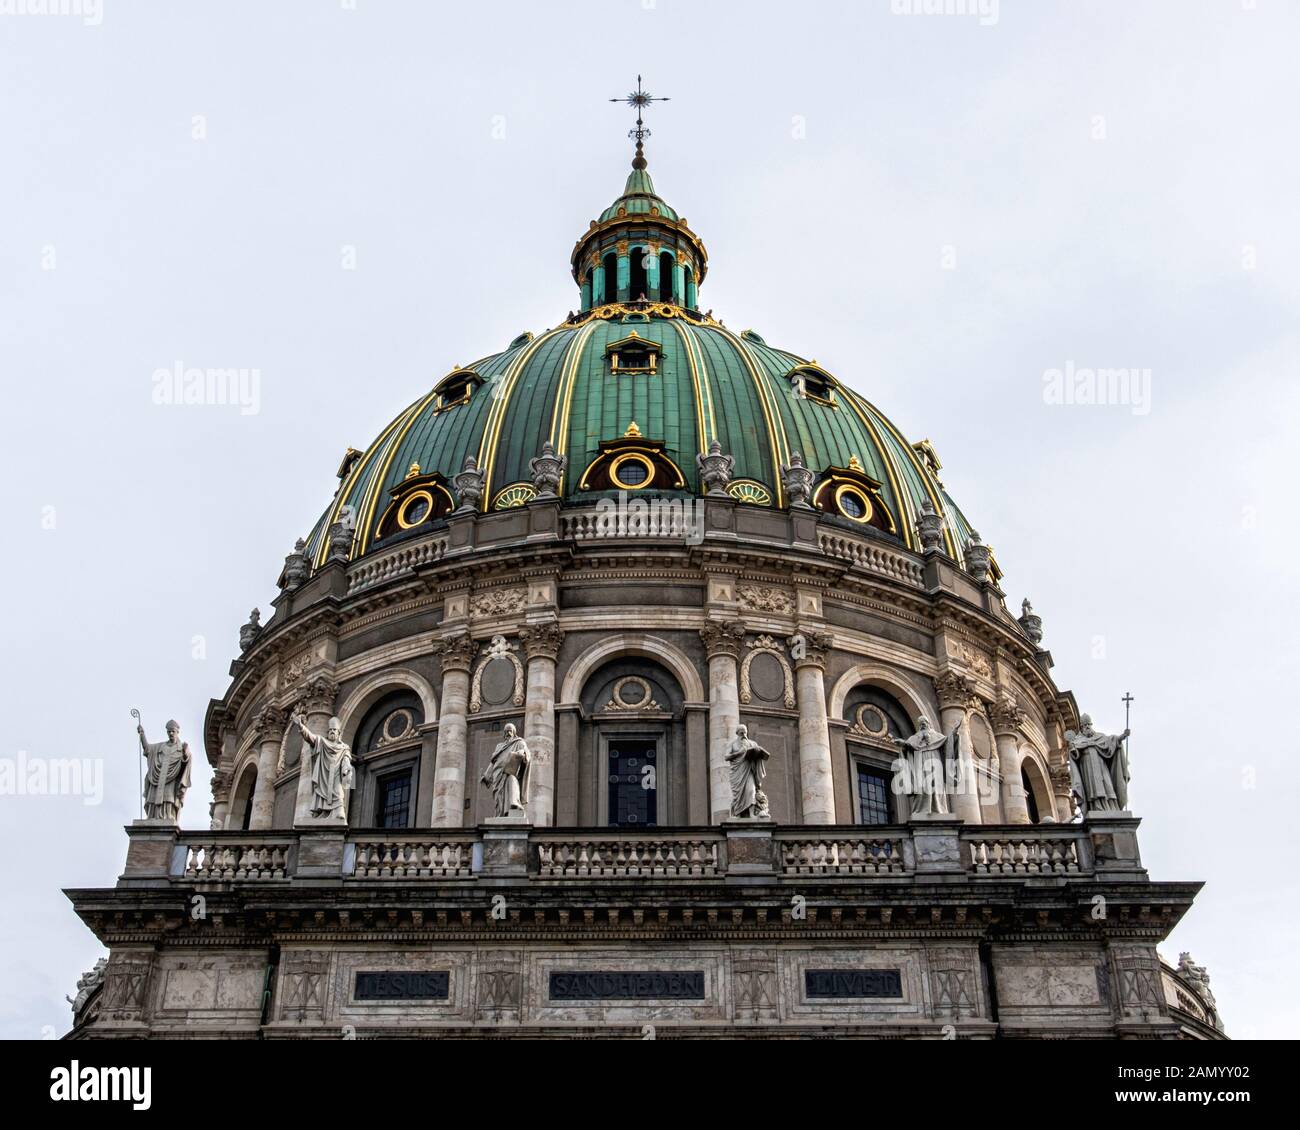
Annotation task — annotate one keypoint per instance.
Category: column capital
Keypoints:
(1006, 716)
(269, 723)
(456, 653)
(723, 637)
(318, 696)
(542, 641)
(808, 649)
(953, 690)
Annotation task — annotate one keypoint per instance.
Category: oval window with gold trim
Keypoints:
(632, 472)
(852, 503)
(415, 508)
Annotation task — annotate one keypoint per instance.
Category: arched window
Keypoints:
(241, 801)
(386, 755)
(665, 277)
(1031, 802)
(875, 719)
(610, 263)
(639, 279)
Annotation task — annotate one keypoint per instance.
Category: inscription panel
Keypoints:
(412, 985)
(852, 984)
(627, 985)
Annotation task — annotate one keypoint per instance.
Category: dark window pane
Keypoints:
(873, 796)
(394, 801)
(633, 798)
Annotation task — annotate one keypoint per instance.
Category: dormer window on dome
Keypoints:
(812, 382)
(633, 354)
(632, 462)
(849, 492)
(455, 389)
(416, 500)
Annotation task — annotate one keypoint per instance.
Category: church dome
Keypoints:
(630, 389)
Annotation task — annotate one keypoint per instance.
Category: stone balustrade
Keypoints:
(873, 558)
(1059, 849)
(664, 520)
(1104, 847)
(219, 858)
(375, 569)
(414, 857)
(628, 856)
(873, 855)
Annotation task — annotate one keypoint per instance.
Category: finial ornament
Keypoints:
(639, 99)
(715, 470)
(1031, 622)
(929, 528)
(797, 479)
(469, 485)
(633, 432)
(547, 470)
(413, 470)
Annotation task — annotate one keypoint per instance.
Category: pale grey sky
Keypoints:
(939, 208)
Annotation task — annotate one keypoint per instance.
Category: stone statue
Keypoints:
(1030, 622)
(929, 528)
(715, 470)
(250, 631)
(1098, 768)
(923, 774)
(547, 470)
(168, 775)
(469, 485)
(746, 758)
(977, 558)
(331, 769)
(87, 983)
(297, 567)
(1200, 978)
(507, 774)
(797, 481)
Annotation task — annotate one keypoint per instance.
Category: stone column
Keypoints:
(623, 274)
(541, 646)
(270, 733)
(1007, 717)
(679, 281)
(816, 782)
(317, 703)
(598, 285)
(722, 640)
(456, 653)
(954, 702)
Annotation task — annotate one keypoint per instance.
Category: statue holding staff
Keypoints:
(1099, 772)
(168, 774)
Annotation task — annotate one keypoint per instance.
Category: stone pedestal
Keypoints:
(320, 847)
(1115, 854)
(935, 841)
(149, 849)
(750, 850)
(504, 847)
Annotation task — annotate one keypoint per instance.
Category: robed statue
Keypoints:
(748, 769)
(507, 774)
(168, 775)
(331, 769)
(1098, 768)
(922, 776)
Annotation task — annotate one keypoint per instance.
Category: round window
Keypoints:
(632, 471)
(415, 509)
(853, 503)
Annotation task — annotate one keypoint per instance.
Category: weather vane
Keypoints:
(640, 99)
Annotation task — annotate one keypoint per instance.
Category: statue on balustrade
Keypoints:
(507, 774)
(1098, 768)
(921, 769)
(168, 776)
(331, 769)
(748, 769)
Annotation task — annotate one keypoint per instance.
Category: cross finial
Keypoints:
(639, 98)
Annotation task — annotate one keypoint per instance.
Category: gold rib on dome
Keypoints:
(775, 428)
(703, 393)
(363, 533)
(568, 380)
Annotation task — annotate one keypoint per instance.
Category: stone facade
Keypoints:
(1005, 917)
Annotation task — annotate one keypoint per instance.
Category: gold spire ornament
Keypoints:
(633, 432)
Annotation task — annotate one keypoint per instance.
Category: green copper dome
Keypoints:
(639, 199)
(630, 390)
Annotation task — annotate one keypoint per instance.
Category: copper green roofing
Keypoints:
(709, 384)
(639, 199)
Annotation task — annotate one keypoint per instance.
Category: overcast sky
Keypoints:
(940, 209)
